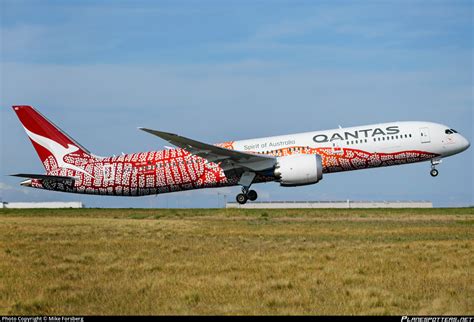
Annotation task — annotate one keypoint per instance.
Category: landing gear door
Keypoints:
(425, 135)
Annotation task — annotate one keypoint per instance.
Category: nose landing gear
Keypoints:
(433, 171)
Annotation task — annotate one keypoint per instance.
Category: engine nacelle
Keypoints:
(299, 169)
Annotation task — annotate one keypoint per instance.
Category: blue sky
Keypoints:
(220, 70)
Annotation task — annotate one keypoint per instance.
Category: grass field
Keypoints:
(149, 261)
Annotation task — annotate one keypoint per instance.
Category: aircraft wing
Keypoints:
(212, 153)
(44, 177)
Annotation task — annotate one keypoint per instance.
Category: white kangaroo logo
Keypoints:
(57, 150)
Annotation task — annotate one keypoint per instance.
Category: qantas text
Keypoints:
(322, 138)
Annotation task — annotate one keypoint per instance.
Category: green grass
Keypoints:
(234, 261)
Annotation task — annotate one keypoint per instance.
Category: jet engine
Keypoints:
(299, 169)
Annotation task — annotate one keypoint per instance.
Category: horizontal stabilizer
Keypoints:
(44, 177)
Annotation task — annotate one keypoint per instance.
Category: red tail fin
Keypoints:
(54, 147)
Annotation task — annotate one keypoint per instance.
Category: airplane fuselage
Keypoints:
(343, 149)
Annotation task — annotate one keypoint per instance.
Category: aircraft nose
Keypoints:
(465, 144)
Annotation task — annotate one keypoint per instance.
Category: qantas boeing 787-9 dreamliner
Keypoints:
(292, 160)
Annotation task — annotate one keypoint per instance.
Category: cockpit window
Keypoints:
(454, 130)
(448, 131)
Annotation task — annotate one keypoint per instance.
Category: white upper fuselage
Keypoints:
(376, 138)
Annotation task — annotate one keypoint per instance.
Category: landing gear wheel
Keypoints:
(241, 198)
(252, 195)
(434, 172)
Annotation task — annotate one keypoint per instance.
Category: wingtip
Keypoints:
(157, 133)
(19, 175)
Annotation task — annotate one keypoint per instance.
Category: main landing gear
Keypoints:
(246, 181)
(244, 196)
(433, 171)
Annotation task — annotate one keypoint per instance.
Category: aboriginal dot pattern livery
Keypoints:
(177, 170)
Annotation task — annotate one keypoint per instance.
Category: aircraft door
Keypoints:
(336, 148)
(425, 135)
(108, 172)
